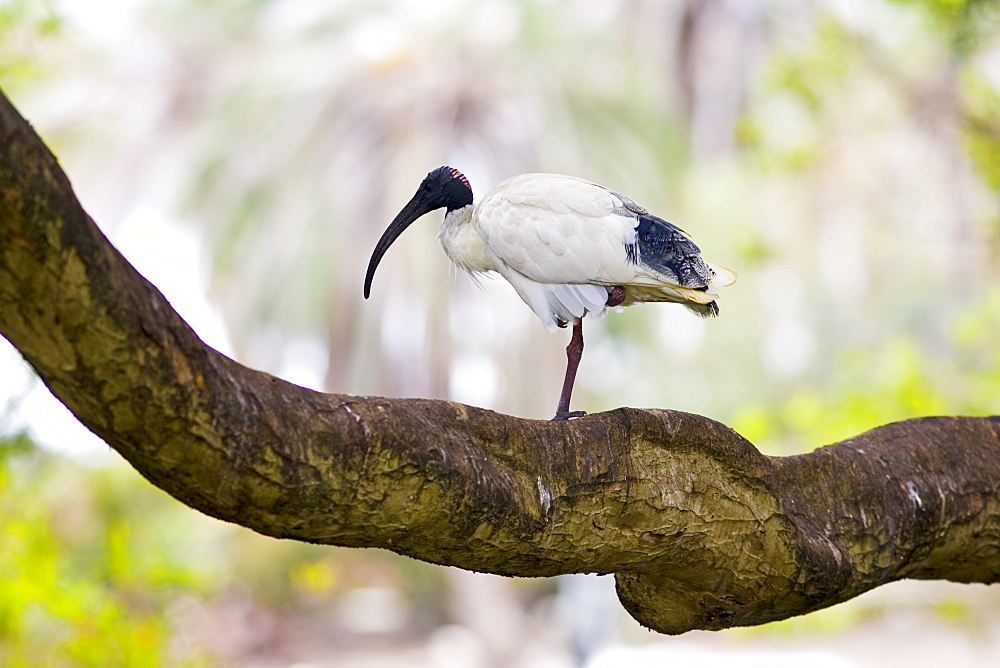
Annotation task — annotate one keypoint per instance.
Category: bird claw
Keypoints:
(559, 417)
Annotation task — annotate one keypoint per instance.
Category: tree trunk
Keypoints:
(700, 529)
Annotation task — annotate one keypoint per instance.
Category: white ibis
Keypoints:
(569, 247)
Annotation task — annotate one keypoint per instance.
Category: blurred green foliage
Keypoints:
(967, 24)
(99, 568)
(894, 381)
(85, 579)
(963, 22)
(29, 33)
(940, 358)
(982, 129)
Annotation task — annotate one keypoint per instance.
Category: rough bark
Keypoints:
(699, 528)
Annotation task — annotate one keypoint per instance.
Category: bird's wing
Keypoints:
(561, 241)
(559, 229)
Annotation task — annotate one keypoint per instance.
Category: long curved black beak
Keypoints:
(415, 208)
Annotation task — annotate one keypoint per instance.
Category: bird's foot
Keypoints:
(566, 415)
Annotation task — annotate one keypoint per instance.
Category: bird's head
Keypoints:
(443, 188)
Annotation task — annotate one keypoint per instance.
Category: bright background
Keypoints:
(843, 156)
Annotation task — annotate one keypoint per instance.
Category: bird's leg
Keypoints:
(574, 351)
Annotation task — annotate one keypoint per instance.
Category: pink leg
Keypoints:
(574, 351)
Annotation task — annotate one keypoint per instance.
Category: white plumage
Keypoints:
(560, 241)
(568, 247)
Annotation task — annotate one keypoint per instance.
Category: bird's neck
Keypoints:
(463, 242)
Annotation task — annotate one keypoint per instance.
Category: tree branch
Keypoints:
(699, 528)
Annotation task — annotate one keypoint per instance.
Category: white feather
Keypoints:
(566, 300)
(723, 277)
(576, 300)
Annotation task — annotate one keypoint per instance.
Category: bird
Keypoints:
(568, 247)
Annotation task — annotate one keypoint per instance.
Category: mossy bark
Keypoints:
(699, 528)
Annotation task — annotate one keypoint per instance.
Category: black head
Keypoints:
(444, 188)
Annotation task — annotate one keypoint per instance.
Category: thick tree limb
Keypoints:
(699, 528)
